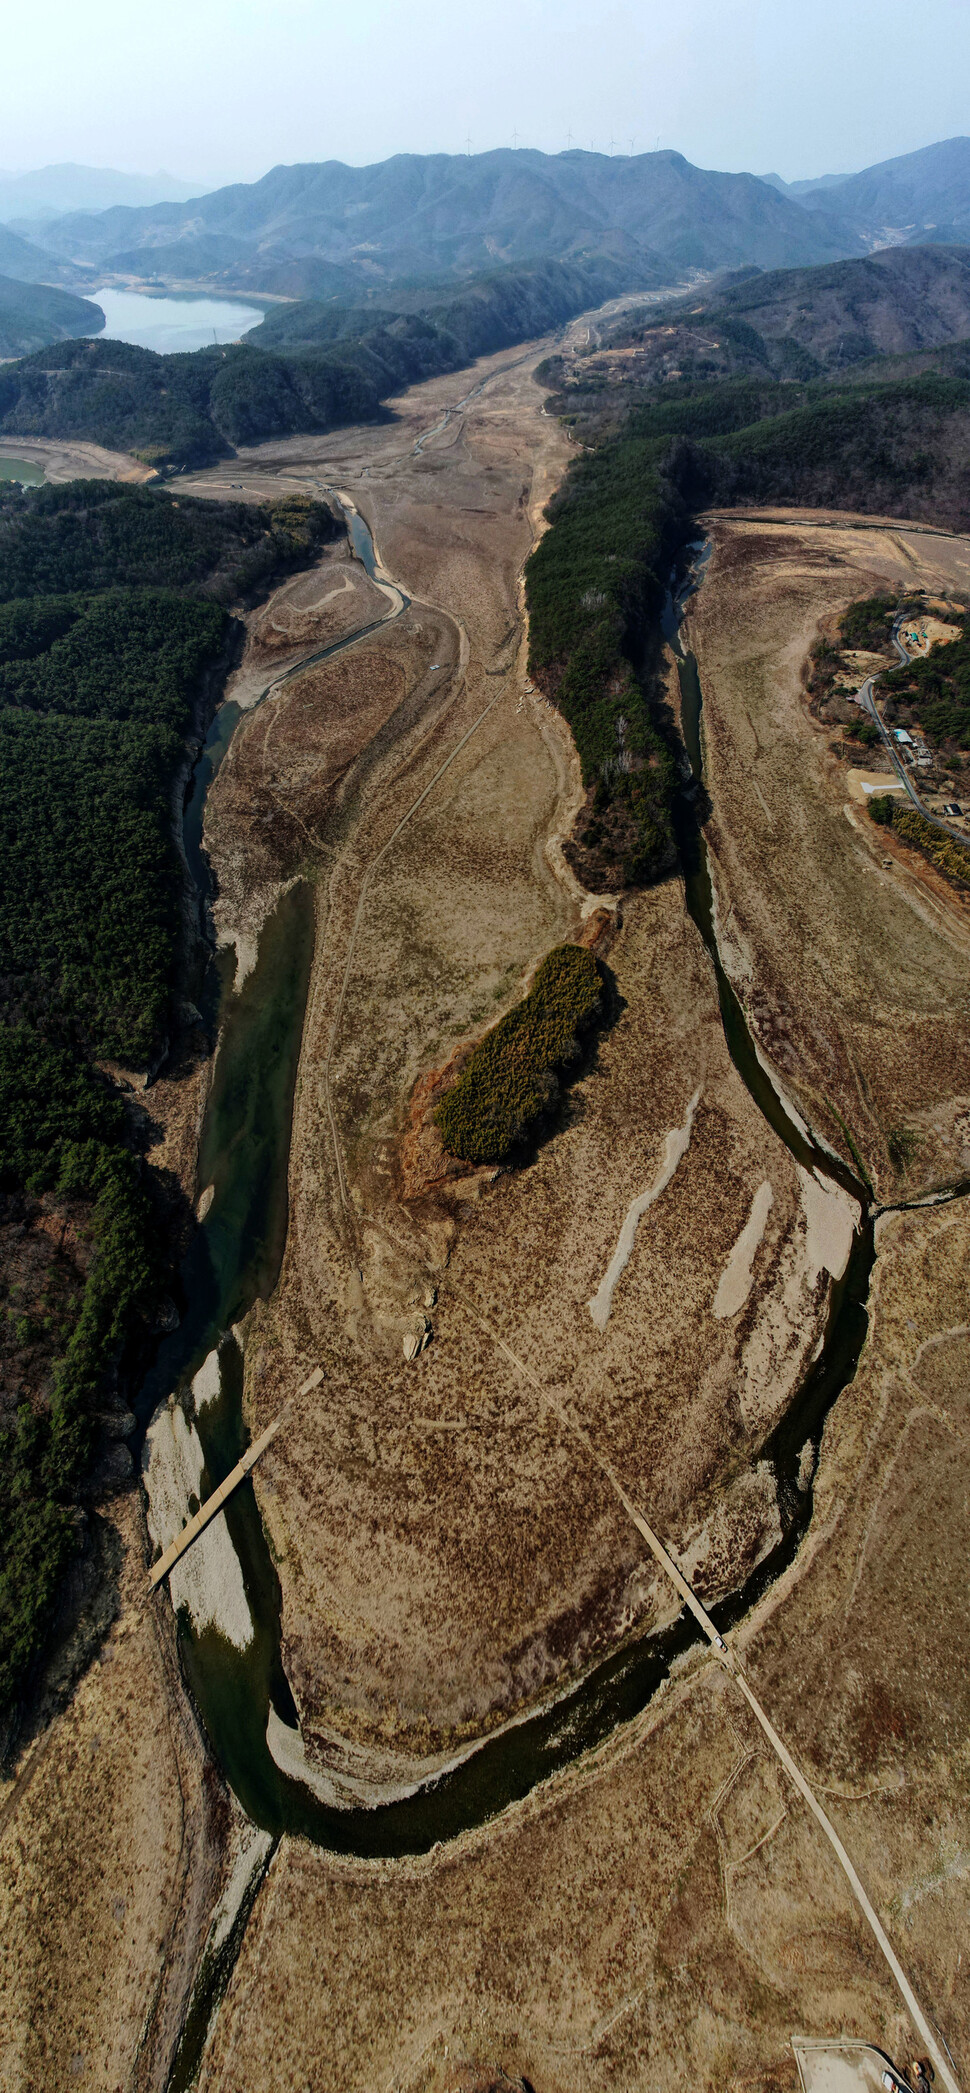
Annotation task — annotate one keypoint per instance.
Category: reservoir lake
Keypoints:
(169, 323)
(18, 469)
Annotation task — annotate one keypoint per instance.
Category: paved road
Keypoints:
(866, 698)
(839, 2067)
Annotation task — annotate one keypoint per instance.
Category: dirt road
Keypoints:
(429, 787)
(452, 1550)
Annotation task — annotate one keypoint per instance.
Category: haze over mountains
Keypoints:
(29, 263)
(49, 192)
(410, 231)
(920, 197)
(327, 230)
(35, 314)
(416, 215)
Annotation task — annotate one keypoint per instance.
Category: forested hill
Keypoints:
(179, 410)
(331, 366)
(447, 326)
(33, 314)
(97, 534)
(878, 440)
(113, 633)
(657, 447)
(803, 322)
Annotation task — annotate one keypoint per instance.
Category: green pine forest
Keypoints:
(513, 1077)
(114, 634)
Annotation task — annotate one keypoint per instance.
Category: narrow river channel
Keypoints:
(235, 1256)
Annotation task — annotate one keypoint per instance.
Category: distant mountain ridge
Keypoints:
(438, 214)
(922, 196)
(324, 230)
(50, 192)
(800, 189)
(900, 314)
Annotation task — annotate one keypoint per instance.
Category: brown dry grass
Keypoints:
(109, 1840)
(662, 1914)
(665, 1914)
(853, 971)
(435, 1579)
(315, 609)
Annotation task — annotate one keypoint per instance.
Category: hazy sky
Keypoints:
(221, 90)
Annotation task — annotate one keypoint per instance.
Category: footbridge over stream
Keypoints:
(213, 1504)
(728, 1657)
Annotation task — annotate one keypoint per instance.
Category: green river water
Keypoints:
(235, 1256)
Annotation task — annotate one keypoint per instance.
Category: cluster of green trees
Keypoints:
(129, 654)
(863, 730)
(951, 858)
(868, 623)
(98, 534)
(96, 697)
(89, 880)
(61, 1131)
(870, 447)
(594, 589)
(513, 1076)
(936, 688)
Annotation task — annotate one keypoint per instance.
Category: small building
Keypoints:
(900, 734)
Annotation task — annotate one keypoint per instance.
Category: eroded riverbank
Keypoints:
(240, 1685)
(630, 1807)
(621, 1922)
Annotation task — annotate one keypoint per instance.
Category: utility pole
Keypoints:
(515, 139)
(612, 144)
(632, 144)
(468, 143)
(569, 141)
